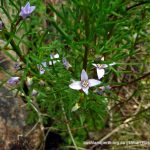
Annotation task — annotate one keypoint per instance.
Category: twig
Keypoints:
(34, 127)
(125, 123)
(131, 82)
(136, 5)
(68, 127)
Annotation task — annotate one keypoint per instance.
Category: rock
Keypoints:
(13, 127)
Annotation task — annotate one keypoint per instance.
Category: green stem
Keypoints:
(13, 44)
(87, 31)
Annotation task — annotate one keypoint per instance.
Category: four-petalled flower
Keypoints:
(13, 80)
(26, 10)
(100, 68)
(85, 83)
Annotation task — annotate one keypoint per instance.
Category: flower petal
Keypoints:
(42, 71)
(32, 9)
(52, 62)
(85, 90)
(56, 56)
(76, 85)
(84, 75)
(93, 82)
(66, 63)
(102, 59)
(34, 93)
(95, 65)
(27, 5)
(13, 80)
(112, 64)
(44, 64)
(104, 66)
(100, 73)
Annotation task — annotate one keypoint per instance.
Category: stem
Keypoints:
(87, 31)
(13, 44)
(68, 127)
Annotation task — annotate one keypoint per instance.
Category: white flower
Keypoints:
(29, 81)
(13, 80)
(85, 83)
(40, 67)
(100, 68)
(53, 58)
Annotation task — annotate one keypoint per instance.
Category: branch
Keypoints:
(125, 123)
(68, 127)
(136, 5)
(131, 82)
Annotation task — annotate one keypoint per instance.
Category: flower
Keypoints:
(29, 81)
(26, 10)
(101, 68)
(40, 67)
(102, 89)
(66, 63)
(13, 80)
(53, 56)
(17, 66)
(42, 83)
(34, 93)
(85, 83)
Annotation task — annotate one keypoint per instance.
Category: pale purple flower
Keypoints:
(66, 63)
(26, 10)
(54, 59)
(1, 25)
(85, 83)
(34, 93)
(40, 67)
(102, 89)
(100, 68)
(13, 80)
(17, 66)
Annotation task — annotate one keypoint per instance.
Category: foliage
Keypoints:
(83, 32)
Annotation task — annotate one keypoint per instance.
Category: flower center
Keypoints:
(85, 83)
(100, 66)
